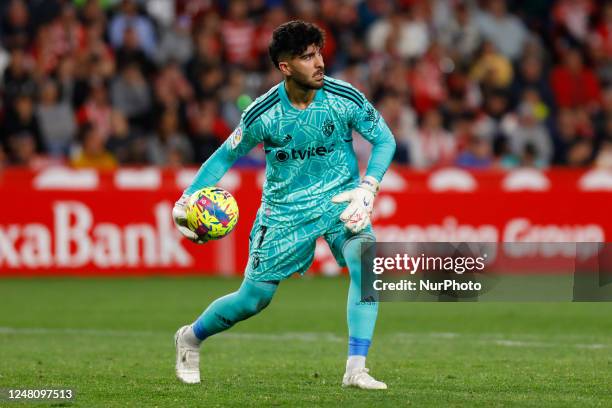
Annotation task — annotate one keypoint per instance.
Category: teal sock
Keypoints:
(251, 298)
(361, 316)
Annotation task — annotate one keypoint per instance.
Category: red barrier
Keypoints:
(82, 222)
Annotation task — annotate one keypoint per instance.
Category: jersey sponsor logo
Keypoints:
(236, 138)
(282, 156)
(304, 154)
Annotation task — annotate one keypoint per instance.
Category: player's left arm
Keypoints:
(366, 120)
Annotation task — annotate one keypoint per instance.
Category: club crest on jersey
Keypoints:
(328, 127)
(236, 138)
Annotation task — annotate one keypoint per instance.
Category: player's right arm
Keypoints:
(239, 143)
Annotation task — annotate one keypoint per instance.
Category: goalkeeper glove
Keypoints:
(180, 220)
(356, 216)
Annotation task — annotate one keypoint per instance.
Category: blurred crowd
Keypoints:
(476, 84)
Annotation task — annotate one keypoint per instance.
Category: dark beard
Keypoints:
(306, 85)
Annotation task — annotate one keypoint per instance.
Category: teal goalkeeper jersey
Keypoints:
(309, 152)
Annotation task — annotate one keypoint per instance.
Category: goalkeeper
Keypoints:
(312, 189)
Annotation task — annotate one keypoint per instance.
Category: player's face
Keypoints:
(307, 69)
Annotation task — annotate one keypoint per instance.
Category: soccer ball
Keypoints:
(212, 213)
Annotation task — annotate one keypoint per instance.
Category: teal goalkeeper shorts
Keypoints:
(278, 251)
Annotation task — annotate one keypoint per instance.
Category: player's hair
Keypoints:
(292, 39)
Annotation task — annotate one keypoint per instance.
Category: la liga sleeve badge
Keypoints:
(236, 138)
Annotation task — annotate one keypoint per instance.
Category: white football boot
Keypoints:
(187, 359)
(361, 379)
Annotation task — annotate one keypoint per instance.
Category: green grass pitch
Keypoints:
(112, 341)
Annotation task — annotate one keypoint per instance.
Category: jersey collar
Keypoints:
(319, 96)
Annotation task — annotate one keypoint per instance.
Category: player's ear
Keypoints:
(284, 68)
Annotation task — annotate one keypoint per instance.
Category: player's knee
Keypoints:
(352, 247)
(256, 305)
(256, 296)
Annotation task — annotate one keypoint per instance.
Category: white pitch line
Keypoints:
(518, 343)
(499, 340)
(91, 332)
(300, 336)
(482, 338)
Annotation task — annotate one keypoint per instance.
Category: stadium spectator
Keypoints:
(604, 157)
(580, 153)
(93, 49)
(73, 89)
(169, 147)
(171, 83)
(66, 33)
(401, 33)
(492, 121)
(23, 152)
(20, 123)
(238, 33)
(123, 142)
(575, 84)
(503, 29)
(491, 68)
(432, 145)
(427, 81)
(56, 119)
(207, 130)
(401, 119)
(504, 158)
(92, 152)
(16, 28)
(565, 133)
(526, 130)
(131, 95)
(131, 51)
(163, 12)
(92, 11)
(460, 34)
(129, 20)
(476, 155)
(572, 18)
(175, 43)
(97, 110)
(274, 17)
(208, 48)
(230, 96)
(309, 11)
(18, 78)
(601, 36)
(531, 74)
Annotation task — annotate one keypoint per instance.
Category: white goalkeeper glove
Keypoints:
(180, 220)
(356, 216)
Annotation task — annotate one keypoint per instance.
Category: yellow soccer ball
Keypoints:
(212, 213)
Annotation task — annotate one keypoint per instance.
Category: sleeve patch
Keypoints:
(236, 138)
